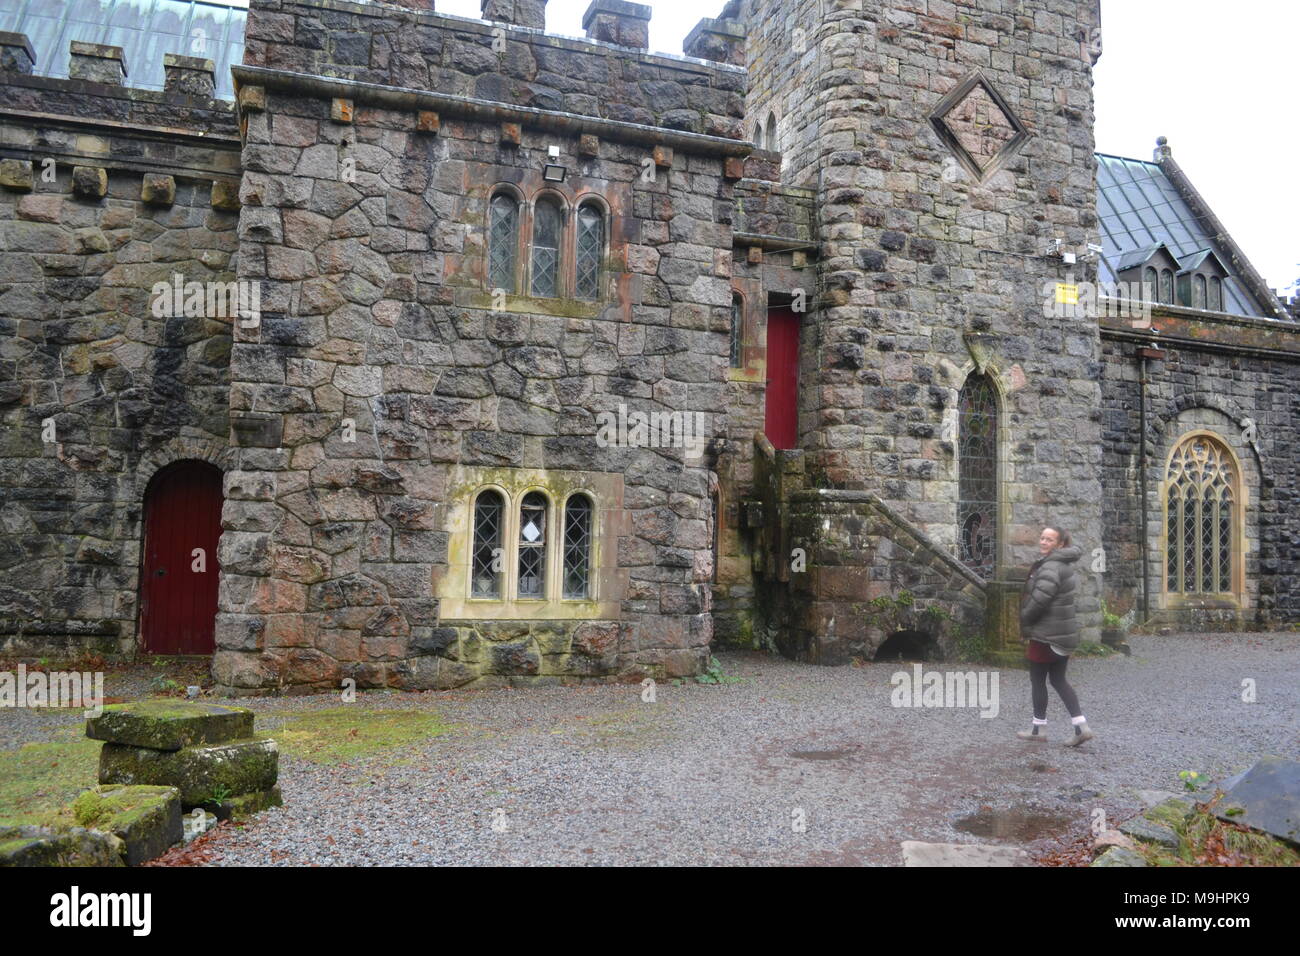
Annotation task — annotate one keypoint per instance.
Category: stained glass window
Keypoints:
(486, 559)
(977, 470)
(589, 246)
(1199, 505)
(532, 546)
(577, 548)
(546, 249)
(503, 242)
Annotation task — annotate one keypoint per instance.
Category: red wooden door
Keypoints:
(178, 590)
(781, 424)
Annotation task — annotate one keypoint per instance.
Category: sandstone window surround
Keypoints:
(530, 544)
(1204, 529)
(552, 245)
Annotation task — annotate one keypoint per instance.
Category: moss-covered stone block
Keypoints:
(203, 775)
(1120, 856)
(147, 819)
(170, 724)
(59, 846)
(240, 808)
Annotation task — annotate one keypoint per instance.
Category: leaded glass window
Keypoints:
(977, 470)
(590, 244)
(737, 329)
(532, 546)
(1198, 292)
(577, 548)
(1150, 284)
(503, 242)
(1216, 295)
(1199, 518)
(489, 512)
(1167, 286)
(546, 249)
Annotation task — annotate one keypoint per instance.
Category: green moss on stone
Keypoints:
(348, 734)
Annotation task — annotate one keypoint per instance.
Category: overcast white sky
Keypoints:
(1219, 79)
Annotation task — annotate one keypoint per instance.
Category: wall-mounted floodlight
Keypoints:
(554, 172)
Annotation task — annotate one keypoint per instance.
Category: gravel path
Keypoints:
(718, 774)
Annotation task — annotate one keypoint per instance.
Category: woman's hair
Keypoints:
(1063, 536)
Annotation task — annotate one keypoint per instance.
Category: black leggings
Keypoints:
(1038, 677)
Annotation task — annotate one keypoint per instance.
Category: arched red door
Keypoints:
(178, 586)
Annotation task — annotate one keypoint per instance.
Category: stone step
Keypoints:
(204, 775)
(146, 819)
(170, 724)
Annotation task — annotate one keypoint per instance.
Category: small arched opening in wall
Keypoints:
(908, 645)
(179, 574)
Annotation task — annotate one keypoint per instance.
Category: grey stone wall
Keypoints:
(129, 204)
(1245, 371)
(376, 310)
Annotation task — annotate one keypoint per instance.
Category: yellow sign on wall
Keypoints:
(1067, 294)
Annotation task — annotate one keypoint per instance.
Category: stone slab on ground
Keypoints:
(1120, 856)
(1269, 797)
(240, 808)
(1148, 831)
(201, 774)
(916, 853)
(170, 724)
(59, 846)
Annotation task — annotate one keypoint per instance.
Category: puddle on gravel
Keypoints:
(1017, 824)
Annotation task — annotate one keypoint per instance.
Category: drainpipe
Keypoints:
(1145, 354)
(1142, 484)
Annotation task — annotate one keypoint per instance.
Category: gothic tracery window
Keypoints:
(1201, 498)
(977, 470)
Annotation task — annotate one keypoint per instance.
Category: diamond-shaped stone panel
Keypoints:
(978, 125)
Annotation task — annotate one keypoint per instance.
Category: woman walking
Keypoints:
(1048, 623)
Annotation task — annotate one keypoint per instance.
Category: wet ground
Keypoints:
(794, 765)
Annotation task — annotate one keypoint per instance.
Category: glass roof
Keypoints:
(144, 29)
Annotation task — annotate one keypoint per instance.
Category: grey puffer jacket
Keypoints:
(1047, 610)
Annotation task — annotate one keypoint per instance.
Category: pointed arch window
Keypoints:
(577, 548)
(589, 246)
(489, 513)
(1167, 286)
(547, 224)
(977, 475)
(1202, 495)
(503, 242)
(770, 140)
(532, 546)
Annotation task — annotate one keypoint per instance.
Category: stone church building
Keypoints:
(355, 340)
